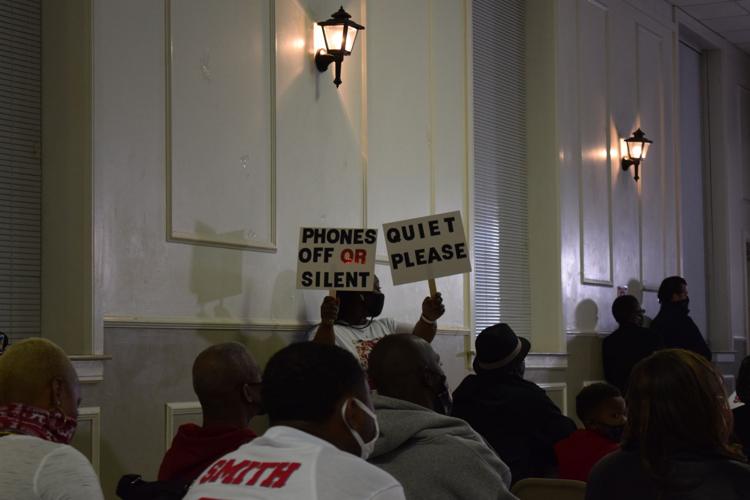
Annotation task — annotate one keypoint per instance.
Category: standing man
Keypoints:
(674, 322)
(629, 344)
(350, 321)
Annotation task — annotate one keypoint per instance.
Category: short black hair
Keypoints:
(591, 396)
(623, 307)
(742, 385)
(304, 381)
(669, 287)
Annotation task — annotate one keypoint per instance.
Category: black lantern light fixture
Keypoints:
(636, 148)
(339, 34)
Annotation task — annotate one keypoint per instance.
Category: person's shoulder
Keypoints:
(335, 464)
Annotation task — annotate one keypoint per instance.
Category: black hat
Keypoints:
(498, 346)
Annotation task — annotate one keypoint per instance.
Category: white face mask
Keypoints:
(365, 448)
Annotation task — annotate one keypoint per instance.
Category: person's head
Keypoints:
(601, 408)
(36, 372)
(673, 290)
(627, 310)
(676, 403)
(321, 389)
(356, 307)
(743, 381)
(227, 381)
(405, 366)
(499, 349)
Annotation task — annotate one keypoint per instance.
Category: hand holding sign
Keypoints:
(432, 307)
(329, 310)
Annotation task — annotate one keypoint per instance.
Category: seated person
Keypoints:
(514, 415)
(601, 408)
(433, 456)
(39, 398)
(742, 413)
(226, 380)
(349, 321)
(676, 441)
(322, 425)
(629, 344)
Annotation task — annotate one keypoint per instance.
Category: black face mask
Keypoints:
(683, 305)
(374, 302)
(613, 433)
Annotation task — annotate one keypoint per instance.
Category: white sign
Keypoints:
(427, 248)
(336, 259)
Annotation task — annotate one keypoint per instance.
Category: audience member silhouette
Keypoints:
(226, 380)
(322, 426)
(677, 328)
(433, 455)
(39, 398)
(676, 441)
(514, 415)
(629, 344)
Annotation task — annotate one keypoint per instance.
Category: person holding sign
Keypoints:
(350, 320)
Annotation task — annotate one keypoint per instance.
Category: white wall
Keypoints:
(390, 143)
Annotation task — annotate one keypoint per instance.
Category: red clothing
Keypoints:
(195, 448)
(578, 453)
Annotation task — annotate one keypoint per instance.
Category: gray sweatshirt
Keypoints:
(436, 457)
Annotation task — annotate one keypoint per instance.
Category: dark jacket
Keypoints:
(679, 330)
(742, 426)
(625, 347)
(516, 417)
(620, 476)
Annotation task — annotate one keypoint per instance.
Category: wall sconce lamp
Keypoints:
(339, 34)
(634, 150)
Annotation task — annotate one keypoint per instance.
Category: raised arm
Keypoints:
(329, 311)
(432, 310)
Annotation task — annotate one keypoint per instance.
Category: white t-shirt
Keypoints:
(34, 469)
(288, 464)
(360, 339)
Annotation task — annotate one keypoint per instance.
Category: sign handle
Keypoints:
(332, 293)
(433, 287)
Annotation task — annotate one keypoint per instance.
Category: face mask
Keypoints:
(443, 403)
(613, 433)
(52, 425)
(365, 449)
(684, 304)
(374, 302)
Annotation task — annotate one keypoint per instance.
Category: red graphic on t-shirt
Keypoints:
(230, 472)
(363, 351)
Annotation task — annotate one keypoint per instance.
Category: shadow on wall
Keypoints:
(215, 273)
(286, 300)
(586, 316)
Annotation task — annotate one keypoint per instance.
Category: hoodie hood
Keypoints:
(401, 421)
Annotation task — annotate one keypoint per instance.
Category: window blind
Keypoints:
(501, 267)
(20, 168)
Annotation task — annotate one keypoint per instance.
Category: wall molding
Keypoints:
(93, 415)
(251, 325)
(557, 387)
(587, 383)
(90, 369)
(547, 361)
(724, 356)
(188, 237)
(173, 409)
(605, 279)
